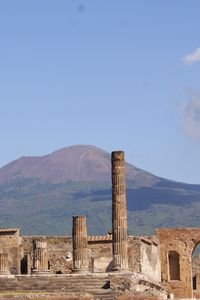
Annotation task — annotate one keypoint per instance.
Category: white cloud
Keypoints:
(191, 116)
(192, 57)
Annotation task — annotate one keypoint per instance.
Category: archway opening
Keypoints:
(174, 265)
(196, 268)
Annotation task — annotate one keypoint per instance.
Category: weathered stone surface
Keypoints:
(102, 264)
(180, 243)
(40, 256)
(69, 283)
(143, 254)
(132, 297)
(135, 284)
(4, 268)
(119, 212)
(59, 253)
(80, 245)
(150, 260)
(10, 243)
(76, 284)
(42, 296)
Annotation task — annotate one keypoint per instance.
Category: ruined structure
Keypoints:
(176, 248)
(40, 256)
(80, 245)
(10, 248)
(119, 212)
(4, 268)
(116, 263)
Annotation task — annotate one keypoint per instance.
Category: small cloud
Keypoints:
(191, 116)
(192, 57)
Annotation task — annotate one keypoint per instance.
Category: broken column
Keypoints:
(40, 256)
(80, 245)
(4, 268)
(119, 212)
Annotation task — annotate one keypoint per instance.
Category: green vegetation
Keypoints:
(45, 208)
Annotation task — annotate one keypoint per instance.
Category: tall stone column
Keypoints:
(4, 268)
(80, 245)
(119, 212)
(40, 256)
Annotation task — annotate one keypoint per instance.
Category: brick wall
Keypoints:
(182, 241)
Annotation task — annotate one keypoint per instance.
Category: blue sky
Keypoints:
(116, 74)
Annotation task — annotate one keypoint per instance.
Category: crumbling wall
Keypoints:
(144, 258)
(150, 260)
(10, 243)
(181, 241)
(100, 253)
(141, 254)
(134, 254)
(59, 253)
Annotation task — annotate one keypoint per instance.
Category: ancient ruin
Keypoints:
(80, 245)
(119, 214)
(40, 256)
(114, 264)
(4, 269)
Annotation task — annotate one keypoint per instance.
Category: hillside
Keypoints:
(75, 163)
(41, 194)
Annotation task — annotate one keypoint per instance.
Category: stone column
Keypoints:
(80, 245)
(4, 268)
(40, 256)
(119, 213)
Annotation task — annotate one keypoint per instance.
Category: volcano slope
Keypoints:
(41, 194)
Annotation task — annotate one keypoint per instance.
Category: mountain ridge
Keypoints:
(75, 163)
(41, 205)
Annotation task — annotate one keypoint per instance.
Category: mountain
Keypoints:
(75, 163)
(41, 194)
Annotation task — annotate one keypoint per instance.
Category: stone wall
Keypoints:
(100, 253)
(176, 248)
(59, 253)
(143, 255)
(150, 260)
(10, 243)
